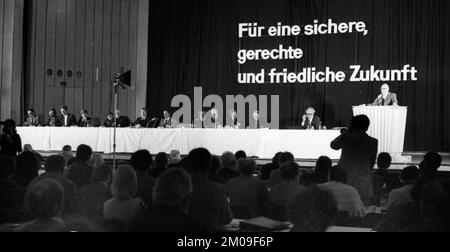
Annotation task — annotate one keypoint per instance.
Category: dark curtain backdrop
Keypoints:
(195, 42)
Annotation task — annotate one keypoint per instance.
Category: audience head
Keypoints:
(286, 157)
(52, 112)
(339, 175)
(45, 199)
(214, 165)
(84, 153)
(64, 110)
(312, 210)
(240, 154)
(276, 158)
(174, 157)
(199, 160)
(28, 148)
(228, 160)
(360, 123)
(55, 164)
(432, 162)
(28, 165)
(172, 190)
(323, 167)
(161, 160)
(8, 166)
(409, 175)
(384, 161)
(124, 185)
(246, 166)
(9, 127)
(67, 148)
(102, 173)
(141, 160)
(289, 170)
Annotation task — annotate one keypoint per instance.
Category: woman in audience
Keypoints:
(312, 210)
(10, 142)
(161, 161)
(119, 210)
(92, 197)
(282, 192)
(170, 206)
(254, 202)
(28, 166)
(11, 194)
(45, 202)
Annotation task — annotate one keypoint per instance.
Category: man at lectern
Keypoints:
(386, 98)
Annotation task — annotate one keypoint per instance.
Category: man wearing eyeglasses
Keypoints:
(386, 98)
(310, 120)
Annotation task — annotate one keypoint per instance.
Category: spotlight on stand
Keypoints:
(123, 80)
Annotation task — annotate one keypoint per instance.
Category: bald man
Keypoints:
(310, 120)
(386, 98)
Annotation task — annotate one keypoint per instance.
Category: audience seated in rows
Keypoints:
(208, 202)
(383, 181)
(80, 172)
(45, 201)
(28, 166)
(268, 168)
(141, 161)
(170, 206)
(91, 197)
(312, 210)
(402, 195)
(282, 192)
(240, 154)
(248, 196)
(54, 169)
(119, 210)
(161, 162)
(228, 170)
(275, 175)
(11, 194)
(347, 198)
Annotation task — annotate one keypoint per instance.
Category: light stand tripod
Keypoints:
(124, 81)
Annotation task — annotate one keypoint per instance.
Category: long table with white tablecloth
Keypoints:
(263, 143)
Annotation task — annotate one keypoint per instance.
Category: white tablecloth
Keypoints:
(263, 143)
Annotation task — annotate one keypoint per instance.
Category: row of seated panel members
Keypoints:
(185, 197)
(67, 119)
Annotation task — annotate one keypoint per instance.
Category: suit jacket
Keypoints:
(71, 120)
(144, 123)
(123, 122)
(87, 123)
(390, 100)
(359, 152)
(314, 124)
(54, 122)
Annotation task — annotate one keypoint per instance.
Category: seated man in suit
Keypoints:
(66, 118)
(32, 118)
(122, 121)
(167, 121)
(310, 120)
(143, 121)
(109, 122)
(386, 98)
(53, 120)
